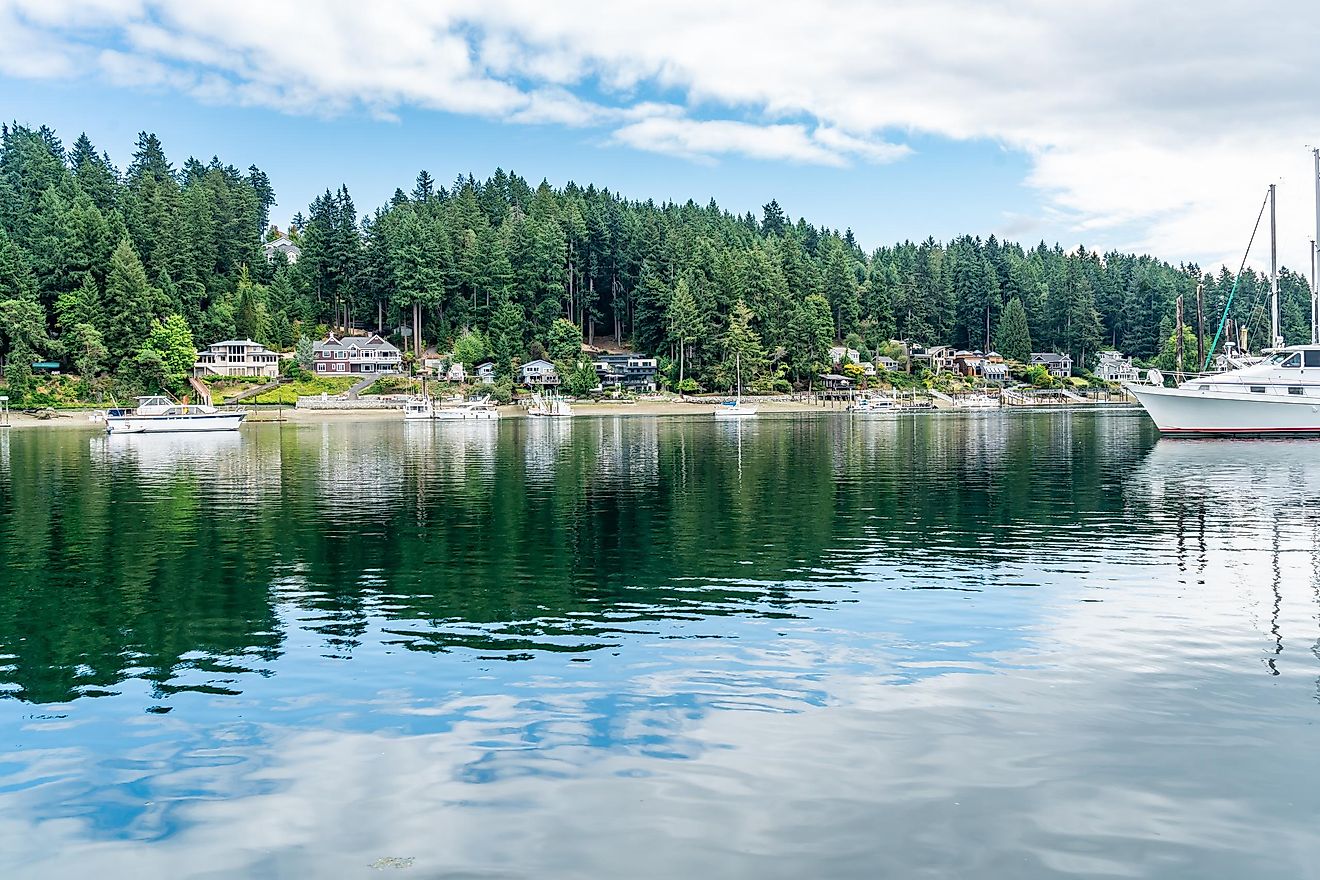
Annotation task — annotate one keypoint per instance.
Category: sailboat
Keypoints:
(735, 408)
(1280, 395)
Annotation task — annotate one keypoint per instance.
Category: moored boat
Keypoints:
(1278, 396)
(734, 409)
(480, 409)
(157, 414)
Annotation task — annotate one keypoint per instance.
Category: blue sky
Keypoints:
(943, 188)
(1107, 122)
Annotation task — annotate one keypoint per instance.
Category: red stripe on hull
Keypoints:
(1240, 430)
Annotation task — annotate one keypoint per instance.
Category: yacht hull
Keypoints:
(179, 424)
(1196, 411)
(445, 415)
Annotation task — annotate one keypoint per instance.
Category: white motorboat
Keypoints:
(976, 401)
(734, 409)
(418, 409)
(1278, 396)
(874, 404)
(454, 409)
(480, 409)
(157, 414)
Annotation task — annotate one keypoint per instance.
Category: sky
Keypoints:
(1113, 124)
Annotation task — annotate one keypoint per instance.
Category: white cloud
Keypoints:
(1145, 126)
(698, 139)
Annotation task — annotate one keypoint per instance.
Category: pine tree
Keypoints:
(1013, 338)
(742, 348)
(250, 309)
(128, 300)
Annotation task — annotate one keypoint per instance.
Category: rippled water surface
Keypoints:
(997, 646)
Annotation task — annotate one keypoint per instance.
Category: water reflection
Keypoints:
(1021, 646)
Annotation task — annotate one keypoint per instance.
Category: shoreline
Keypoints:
(78, 419)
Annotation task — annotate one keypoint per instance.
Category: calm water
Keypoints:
(999, 646)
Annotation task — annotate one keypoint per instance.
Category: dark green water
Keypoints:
(997, 646)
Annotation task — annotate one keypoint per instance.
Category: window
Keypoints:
(1293, 362)
(1257, 389)
(341, 354)
(1311, 357)
(1296, 389)
(320, 368)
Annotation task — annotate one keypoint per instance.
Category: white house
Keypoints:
(538, 372)
(1058, 365)
(1113, 367)
(456, 373)
(237, 357)
(356, 355)
(842, 355)
(282, 245)
(486, 372)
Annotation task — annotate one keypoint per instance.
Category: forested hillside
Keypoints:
(117, 274)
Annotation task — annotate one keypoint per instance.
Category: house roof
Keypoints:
(1048, 355)
(374, 342)
(236, 342)
(541, 361)
(836, 376)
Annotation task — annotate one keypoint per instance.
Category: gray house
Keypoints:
(538, 374)
(631, 372)
(356, 355)
(485, 372)
(1059, 365)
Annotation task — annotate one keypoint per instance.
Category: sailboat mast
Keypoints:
(1275, 341)
(1315, 247)
(737, 366)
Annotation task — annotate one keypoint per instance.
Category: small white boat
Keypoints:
(976, 401)
(549, 407)
(734, 409)
(418, 409)
(157, 414)
(873, 404)
(480, 409)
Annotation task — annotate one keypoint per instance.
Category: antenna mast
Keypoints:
(1315, 247)
(1275, 341)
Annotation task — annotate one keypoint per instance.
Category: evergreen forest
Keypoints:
(118, 274)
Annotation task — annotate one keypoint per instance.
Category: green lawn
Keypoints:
(307, 387)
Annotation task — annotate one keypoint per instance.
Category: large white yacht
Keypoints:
(1279, 395)
(158, 414)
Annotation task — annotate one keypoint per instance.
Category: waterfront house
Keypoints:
(237, 357)
(356, 355)
(626, 371)
(937, 358)
(969, 363)
(842, 355)
(485, 371)
(282, 245)
(995, 371)
(1058, 365)
(836, 382)
(538, 374)
(1113, 367)
(887, 363)
(456, 373)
